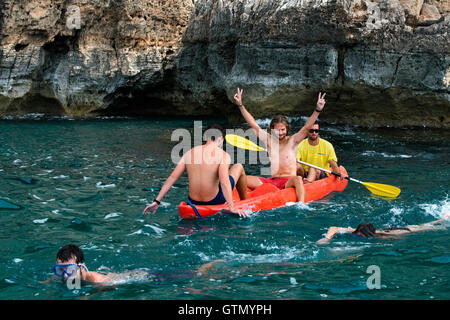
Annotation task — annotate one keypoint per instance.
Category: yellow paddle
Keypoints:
(379, 189)
(242, 143)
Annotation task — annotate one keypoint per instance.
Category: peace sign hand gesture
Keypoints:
(320, 101)
(238, 97)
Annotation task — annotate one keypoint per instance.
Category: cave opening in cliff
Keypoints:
(59, 45)
(36, 104)
(159, 103)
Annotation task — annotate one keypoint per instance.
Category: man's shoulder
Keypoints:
(304, 142)
(225, 155)
(325, 142)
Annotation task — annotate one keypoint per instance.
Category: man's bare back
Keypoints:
(202, 166)
(210, 178)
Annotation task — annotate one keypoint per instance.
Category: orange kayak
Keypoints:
(265, 197)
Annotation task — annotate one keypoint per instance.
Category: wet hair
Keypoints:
(213, 132)
(70, 251)
(365, 229)
(280, 119)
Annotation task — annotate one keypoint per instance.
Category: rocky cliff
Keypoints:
(76, 57)
(381, 62)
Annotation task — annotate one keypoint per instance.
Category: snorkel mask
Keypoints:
(65, 271)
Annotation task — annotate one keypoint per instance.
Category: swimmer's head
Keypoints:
(70, 253)
(366, 230)
(69, 262)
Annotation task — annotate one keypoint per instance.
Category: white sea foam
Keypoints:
(436, 209)
(347, 131)
(282, 254)
(112, 215)
(165, 204)
(40, 221)
(42, 116)
(397, 214)
(156, 229)
(46, 172)
(145, 232)
(264, 123)
(101, 186)
(138, 232)
(372, 153)
(301, 205)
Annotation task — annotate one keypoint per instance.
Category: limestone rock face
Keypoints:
(429, 14)
(74, 59)
(381, 62)
(378, 64)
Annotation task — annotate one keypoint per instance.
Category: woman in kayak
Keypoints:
(367, 230)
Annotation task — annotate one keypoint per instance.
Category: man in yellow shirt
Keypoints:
(318, 152)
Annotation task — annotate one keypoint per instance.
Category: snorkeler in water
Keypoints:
(71, 265)
(367, 230)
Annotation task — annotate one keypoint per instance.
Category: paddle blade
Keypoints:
(242, 143)
(383, 190)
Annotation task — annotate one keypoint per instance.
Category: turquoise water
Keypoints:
(87, 182)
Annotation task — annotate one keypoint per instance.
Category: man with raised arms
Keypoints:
(282, 149)
(211, 181)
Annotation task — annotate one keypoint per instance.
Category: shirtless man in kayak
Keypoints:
(282, 149)
(210, 179)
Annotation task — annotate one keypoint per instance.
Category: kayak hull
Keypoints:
(267, 196)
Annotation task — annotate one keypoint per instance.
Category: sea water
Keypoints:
(86, 182)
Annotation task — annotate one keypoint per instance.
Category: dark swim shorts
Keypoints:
(219, 199)
(323, 175)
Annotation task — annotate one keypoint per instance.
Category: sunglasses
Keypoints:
(313, 130)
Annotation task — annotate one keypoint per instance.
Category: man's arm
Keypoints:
(428, 225)
(224, 179)
(303, 132)
(331, 233)
(97, 277)
(174, 176)
(334, 166)
(260, 133)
